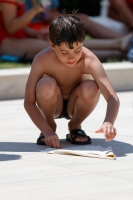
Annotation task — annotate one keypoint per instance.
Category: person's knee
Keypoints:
(89, 90)
(46, 87)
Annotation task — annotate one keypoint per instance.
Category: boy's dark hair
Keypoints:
(68, 29)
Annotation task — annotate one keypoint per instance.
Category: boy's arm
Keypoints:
(110, 96)
(37, 71)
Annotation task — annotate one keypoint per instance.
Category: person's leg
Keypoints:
(103, 55)
(119, 10)
(18, 47)
(96, 30)
(81, 103)
(121, 43)
(49, 100)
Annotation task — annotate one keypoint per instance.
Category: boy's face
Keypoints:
(66, 55)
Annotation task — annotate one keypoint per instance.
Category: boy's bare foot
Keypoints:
(75, 137)
(80, 138)
(125, 42)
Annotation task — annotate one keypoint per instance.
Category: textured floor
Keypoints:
(26, 173)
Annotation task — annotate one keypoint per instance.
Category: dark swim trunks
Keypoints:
(64, 113)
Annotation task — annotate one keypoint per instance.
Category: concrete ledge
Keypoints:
(120, 75)
(13, 81)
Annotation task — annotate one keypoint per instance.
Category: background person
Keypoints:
(16, 38)
(93, 29)
(43, 19)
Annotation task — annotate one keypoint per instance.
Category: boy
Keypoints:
(59, 85)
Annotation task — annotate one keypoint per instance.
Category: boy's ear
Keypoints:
(52, 45)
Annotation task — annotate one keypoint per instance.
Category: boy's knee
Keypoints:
(46, 87)
(89, 89)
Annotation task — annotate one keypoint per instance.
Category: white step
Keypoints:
(13, 81)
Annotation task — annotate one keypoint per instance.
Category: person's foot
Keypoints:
(74, 134)
(72, 127)
(125, 42)
(40, 140)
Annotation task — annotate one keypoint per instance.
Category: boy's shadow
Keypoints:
(8, 157)
(16, 147)
(120, 149)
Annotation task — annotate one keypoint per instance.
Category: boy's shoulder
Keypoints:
(44, 59)
(89, 56)
(45, 53)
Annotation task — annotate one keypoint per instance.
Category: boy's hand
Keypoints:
(108, 130)
(52, 140)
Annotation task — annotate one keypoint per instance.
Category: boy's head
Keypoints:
(66, 29)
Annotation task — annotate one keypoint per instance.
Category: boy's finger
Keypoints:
(53, 143)
(99, 130)
(45, 140)
(58, 145)
(106, 137)
(49, 143)
(106, 134)
(113, 135)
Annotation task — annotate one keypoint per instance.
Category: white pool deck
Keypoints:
(27, 174)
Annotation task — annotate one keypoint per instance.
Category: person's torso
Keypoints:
(67, 78)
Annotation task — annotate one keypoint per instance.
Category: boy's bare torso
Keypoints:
(67, 77)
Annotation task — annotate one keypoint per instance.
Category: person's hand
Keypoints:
(37, 8)
(43, 34)
(108, 130)
(52, 140)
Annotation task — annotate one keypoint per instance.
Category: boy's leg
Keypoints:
(81, 103)
(49, 100)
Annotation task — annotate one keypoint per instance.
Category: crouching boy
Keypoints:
(59, 85)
